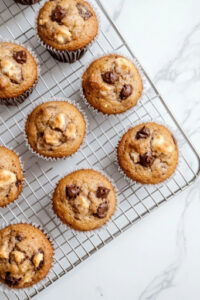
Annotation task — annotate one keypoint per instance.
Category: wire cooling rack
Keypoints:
(57, 79)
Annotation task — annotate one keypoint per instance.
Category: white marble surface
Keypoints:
(157, 259)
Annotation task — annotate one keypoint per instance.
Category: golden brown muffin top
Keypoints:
(18, 70)
(148, 153)
(26, 255)
(11, 176)
(112, 84)
(55, 129)
(84, 199)
(67, 24)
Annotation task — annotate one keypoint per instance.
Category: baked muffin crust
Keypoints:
(11, 176)
(26, 255)
(67, 24)
(112, 84)
(148, 153)
(55, 129)
(18, 70)
(84, 199)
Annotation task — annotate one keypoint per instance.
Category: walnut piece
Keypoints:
(52, 137)
(63, 35)
(6, 177)
(135, 157)
(11, 69)
(82, 204)
(38, 259)
(59, 122)
(70, 132)
(18, 256)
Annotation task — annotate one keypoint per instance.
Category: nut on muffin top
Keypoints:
(67, 24)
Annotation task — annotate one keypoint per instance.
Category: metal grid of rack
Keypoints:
(62, 80)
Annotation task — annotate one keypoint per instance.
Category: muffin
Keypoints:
(11, 176)
(112, 84)
(55, 129)
(148, 153)
(18, 73)
(26, 255)
(84, 199)
(66, 28)
(27, 2)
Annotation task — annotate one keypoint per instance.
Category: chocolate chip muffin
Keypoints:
(26, 255)
(11, 176)
(84, 199)
(112, 84)
(55, 129)
(18, 73)
(27, 2)
(66, 28)
(148, 153)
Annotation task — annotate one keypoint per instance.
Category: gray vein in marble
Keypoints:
(117, 12)
(183, 71)
(166, 279)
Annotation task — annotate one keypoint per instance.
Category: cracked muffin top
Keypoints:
(148, 153)
(26, 255)
(84, 199)
(112, 84)
(11, 176)
(18, 70)
(55, 129)
(67, 24)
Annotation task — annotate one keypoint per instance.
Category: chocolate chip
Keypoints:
(72, 191)
(83, 11)
(126, 91)
(20, 56)
(110, 77)
(18, 183)
(14, 81)
(40, 134)
(147, 159)
(143, 133)
(58, 14)
(102, 210)
(102, 192)
(19, 238)
(42, 261)
(10, 280)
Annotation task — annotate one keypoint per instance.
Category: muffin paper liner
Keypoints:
(23, 179)
(64, 226)
(21, 98)
(56, 158)
(132, 181)
(4, 287)
(66, 56)
(139, 68)
(27, 2)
